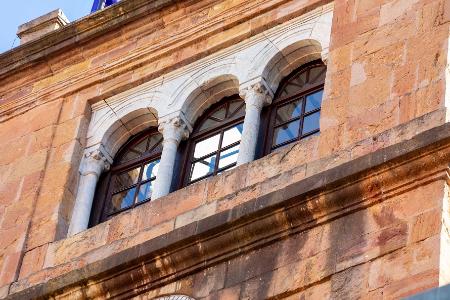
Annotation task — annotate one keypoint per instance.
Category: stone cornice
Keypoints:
(101, 22)
(314, 200)
(78, 31)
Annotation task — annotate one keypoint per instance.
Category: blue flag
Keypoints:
(100, 4)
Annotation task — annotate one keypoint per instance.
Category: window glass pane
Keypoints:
(207, 146)
(232, 135)
(208, 123)
(317, 75)
(122, 200)
(150, 170)
(155, 140)
(203, 167)
(145, 191)
(288, 112)
(129, 155)
(294, 85)
(135, 151)
(141, 147)
(314, 101)
(126, 179)
(220, 113)
(237, 109)
(286, 132)
(311, 122)
(228, 157)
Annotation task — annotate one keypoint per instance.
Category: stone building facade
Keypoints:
(354, 205)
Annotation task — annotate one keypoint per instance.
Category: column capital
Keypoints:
(256, 93)
(174, 129)
(94, 162)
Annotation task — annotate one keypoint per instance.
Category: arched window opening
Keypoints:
(131, 179)
(295, 111)
(215, 142)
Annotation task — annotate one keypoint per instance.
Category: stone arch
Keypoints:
(274, 63)
(209, 82)
(207, 93)
(112, 126)
(126, 126)
(286, 50)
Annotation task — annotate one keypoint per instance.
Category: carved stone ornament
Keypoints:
(174, 129)
(94, 162)
(257, 94)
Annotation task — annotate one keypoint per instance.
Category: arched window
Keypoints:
(295, 111)
(131, 178)
(215, 141)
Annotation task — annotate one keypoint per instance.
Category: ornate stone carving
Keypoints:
(256, 94)
(94, 162)
(174, 129)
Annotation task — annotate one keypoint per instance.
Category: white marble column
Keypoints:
(256, 96)
(173, 130)
(93, 164)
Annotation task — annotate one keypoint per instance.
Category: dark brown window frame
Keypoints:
(102, 202)
(271, 110)
(198, 136)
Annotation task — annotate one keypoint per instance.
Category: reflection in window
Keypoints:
(216, 140)
(295, 112)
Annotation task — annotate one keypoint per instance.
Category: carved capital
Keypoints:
(94, 162)
(256, 94)
(175, 129)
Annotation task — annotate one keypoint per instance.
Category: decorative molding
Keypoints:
(140, 58)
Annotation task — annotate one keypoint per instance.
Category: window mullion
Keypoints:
(302, 117)
(138, 184)
(216, 166)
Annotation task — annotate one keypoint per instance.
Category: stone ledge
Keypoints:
(348, 187)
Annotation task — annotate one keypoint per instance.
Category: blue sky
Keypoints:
(16, 12)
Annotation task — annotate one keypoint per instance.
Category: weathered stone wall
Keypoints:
(387, 66)
(386, 83)
(387, 251)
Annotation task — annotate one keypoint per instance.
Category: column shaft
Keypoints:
(165, 170)
(255, 96)
(173, 130)
(93, 165)
(250, 134)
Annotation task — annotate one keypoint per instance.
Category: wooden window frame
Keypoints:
(104, 191)
(271, 110)
(198, 136)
